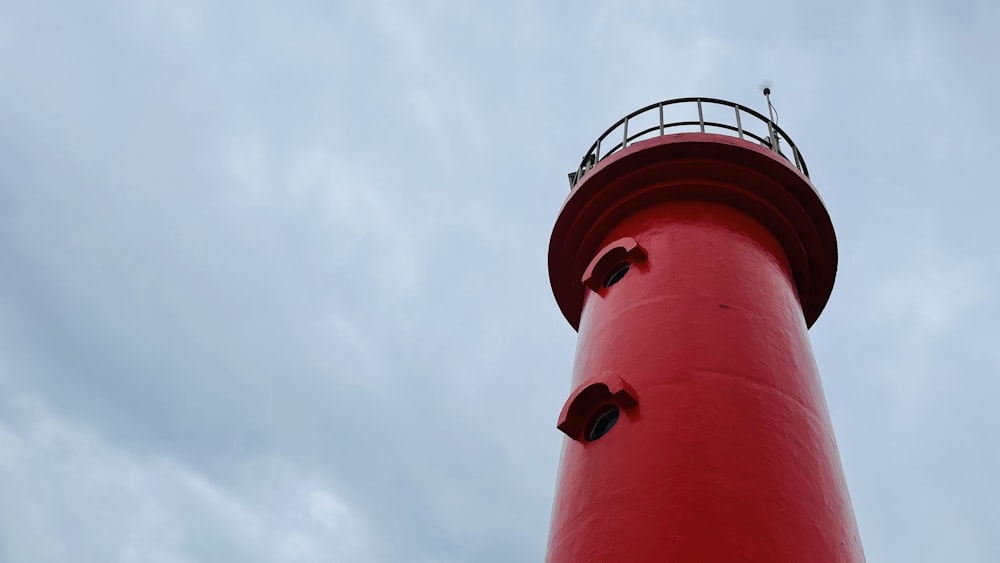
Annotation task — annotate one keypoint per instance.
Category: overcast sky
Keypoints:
(273, 275)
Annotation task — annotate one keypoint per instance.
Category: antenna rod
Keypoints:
(766, 88)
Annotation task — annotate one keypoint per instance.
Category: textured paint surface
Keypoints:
(729, 454)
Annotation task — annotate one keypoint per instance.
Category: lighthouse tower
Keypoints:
(692, 255)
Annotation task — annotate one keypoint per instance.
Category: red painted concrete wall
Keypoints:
(724, 450)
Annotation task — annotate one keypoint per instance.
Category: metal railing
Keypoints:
(618, 136)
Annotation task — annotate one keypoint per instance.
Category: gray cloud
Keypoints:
(275, 280)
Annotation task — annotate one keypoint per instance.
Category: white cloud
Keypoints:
(70, 494)
(274, 274)
(929, 296)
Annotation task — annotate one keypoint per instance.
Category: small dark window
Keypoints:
(602, 422)
(616, 274)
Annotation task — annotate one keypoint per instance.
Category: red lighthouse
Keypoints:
(692, 255)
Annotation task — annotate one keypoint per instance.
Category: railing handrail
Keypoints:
(773, 141)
